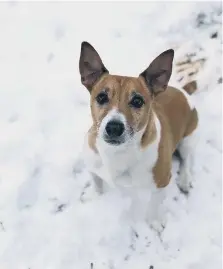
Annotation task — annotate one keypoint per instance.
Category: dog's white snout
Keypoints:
(113, 126)
(114, 116)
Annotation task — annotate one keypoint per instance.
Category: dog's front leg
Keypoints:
(98, 183)
(155, 213)
(187, 150)
(92, 189)
(79, 165)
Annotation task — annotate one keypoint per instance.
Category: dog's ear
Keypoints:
(157, 75)
(91, 66)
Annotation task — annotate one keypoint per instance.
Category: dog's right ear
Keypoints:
(91, 66)
(158, 73)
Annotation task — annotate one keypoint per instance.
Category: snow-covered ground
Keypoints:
(44, 114)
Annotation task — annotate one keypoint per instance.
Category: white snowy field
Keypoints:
(44, 115)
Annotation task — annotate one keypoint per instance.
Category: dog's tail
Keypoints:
(190, 87)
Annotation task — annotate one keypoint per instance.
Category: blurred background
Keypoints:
(44, 115)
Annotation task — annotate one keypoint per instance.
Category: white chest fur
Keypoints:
(126, 165)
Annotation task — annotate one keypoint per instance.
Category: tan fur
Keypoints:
(171, 107)
(92, 134)
(177, 121)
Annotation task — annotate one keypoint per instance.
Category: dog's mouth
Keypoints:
(114, 141)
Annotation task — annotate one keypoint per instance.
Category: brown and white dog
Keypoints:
(138, 124)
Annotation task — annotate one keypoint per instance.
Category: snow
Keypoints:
(44, 115)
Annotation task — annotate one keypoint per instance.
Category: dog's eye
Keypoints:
(102, 98)
(137, 102)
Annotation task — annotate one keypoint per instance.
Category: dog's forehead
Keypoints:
(120, 83)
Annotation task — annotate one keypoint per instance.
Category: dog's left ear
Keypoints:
(91, 66)
(158, 74)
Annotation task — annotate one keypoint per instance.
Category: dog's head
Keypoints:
(120, 104)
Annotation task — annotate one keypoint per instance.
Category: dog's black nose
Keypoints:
(115, 128)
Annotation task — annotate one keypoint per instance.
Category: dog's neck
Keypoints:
(150, 131)
(121, 159)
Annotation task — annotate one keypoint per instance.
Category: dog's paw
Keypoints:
(184, 183)
(157, 222)
(157, 225)
(78, 166)
(88, 193)
(185, 188)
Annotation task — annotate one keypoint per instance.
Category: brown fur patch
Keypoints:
(192, 123)
(92, 134)
(177, 121)
(150, 132)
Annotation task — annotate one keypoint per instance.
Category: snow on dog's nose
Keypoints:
(113, 128)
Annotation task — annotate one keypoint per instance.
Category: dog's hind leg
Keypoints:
(177, 155)
(187, 150)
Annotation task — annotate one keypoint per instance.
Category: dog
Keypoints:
(138, 124)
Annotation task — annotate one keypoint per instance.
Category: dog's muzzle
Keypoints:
(114, 132)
